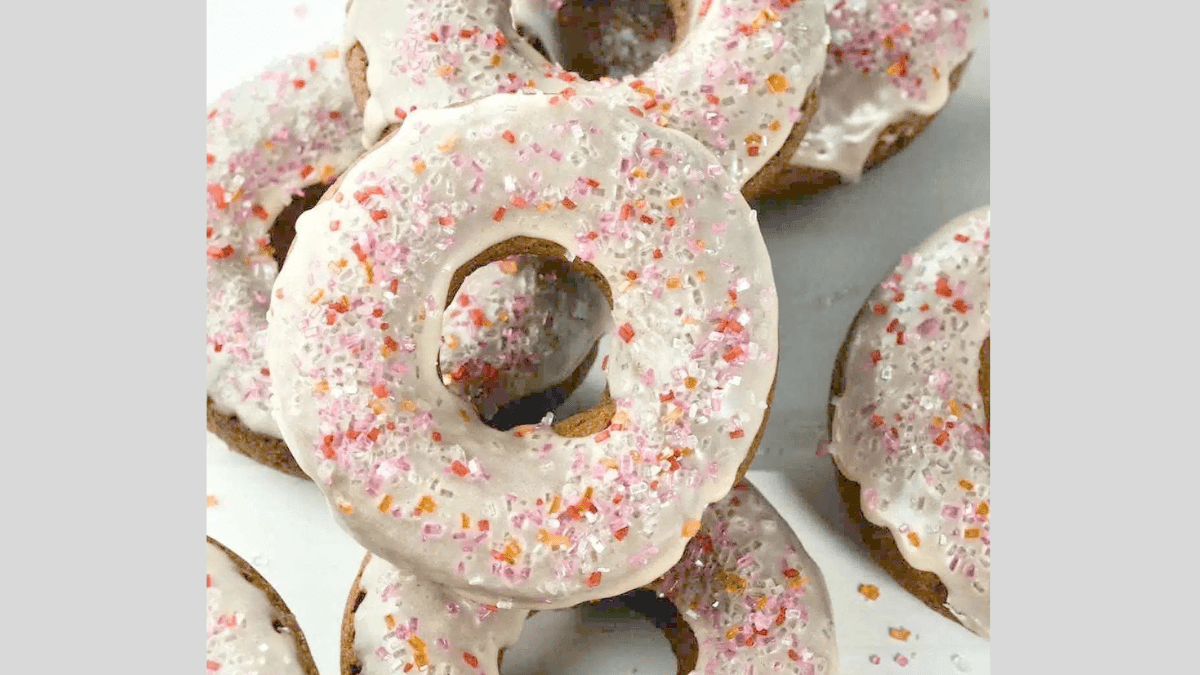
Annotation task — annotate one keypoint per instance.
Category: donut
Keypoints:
(892, 67)
(250, 629)
(544, 515)
(740, 77)
(275, 144)
(747, 598)
(911, 422)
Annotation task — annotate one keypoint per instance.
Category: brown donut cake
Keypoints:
(275, 143)
(910, 422)
(749, 103)
(251, 631)
(745, 597)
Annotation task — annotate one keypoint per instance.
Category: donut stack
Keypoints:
(418, 240)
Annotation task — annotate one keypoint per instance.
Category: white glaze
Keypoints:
(693, 355)
(744, 575)
(295, 125)
(242, 639)
(782, 45)
(290, 127)
(859, 99)
(910, 425)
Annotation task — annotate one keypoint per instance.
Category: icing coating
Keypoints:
(754, 599)
(515, 327)
(887, 59)
(910, 426)
(760, 58)
(241, 635)
(294, 126)
(528, 516)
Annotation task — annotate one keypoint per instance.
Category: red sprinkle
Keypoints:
(626, 333)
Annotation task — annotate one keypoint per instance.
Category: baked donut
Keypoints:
(532, 517)
(250, 629)
(892, 66)
(747, 596)
(284, 136)
(911, 422)
(740, 77)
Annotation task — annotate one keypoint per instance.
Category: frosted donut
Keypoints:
(749, 594)
(911, 424)
(530, 517)
(892, 66)
(250, 629)
(286, 133)
(740, 77)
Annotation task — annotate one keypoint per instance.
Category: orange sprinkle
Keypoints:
(690, 382)
(385, 504)
(737, 433)
(211, 500)
(555, 504)
(971, 533)
(345, 507)
(676, 202)
(966, 484)
(495, 60)
(983, 509)
(673, 283)
(552, 540)
(899, 633)
(420, 657)
(777, 83)
(690, 528)
(389, 621)
(418, 166)
(914, 539)
(869, 591)
(427, 505)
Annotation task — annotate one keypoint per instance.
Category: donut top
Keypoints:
(241, 635)
(737, 82)
(754, 599)
(516, 327)
(910, 427)
(290, 127)
(526, 516)
(887, 59)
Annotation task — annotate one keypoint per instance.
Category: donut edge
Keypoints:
(265, 450)
(801, 181)
(282, 613)
(925, 586)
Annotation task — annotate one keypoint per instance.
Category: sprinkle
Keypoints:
(869, 591)
(211, 500)
(899, 634)
(777, 83)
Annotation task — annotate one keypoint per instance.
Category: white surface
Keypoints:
(827, 252)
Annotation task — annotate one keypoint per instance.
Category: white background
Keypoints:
(827, 252)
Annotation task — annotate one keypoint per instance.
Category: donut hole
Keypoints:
(578, 397)
(599, 38)
(638, 632)
(283, 230)
(985, 378)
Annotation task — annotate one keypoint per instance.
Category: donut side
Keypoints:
(791, 180)
(283, 620)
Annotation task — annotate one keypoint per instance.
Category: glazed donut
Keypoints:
(751, 599)
(910, 421)
(250, 629)
(531, 517)
(740, 78)
(290, 131)
(892, 66)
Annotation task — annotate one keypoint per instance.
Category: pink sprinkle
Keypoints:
(300, 11)
(875, 659)
(902, 659)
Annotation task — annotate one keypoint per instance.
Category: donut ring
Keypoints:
(750, 105)
(892, 68)
(910, 422)
(530, 517)
(748, 596)
(248, 624)
(290, 131)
